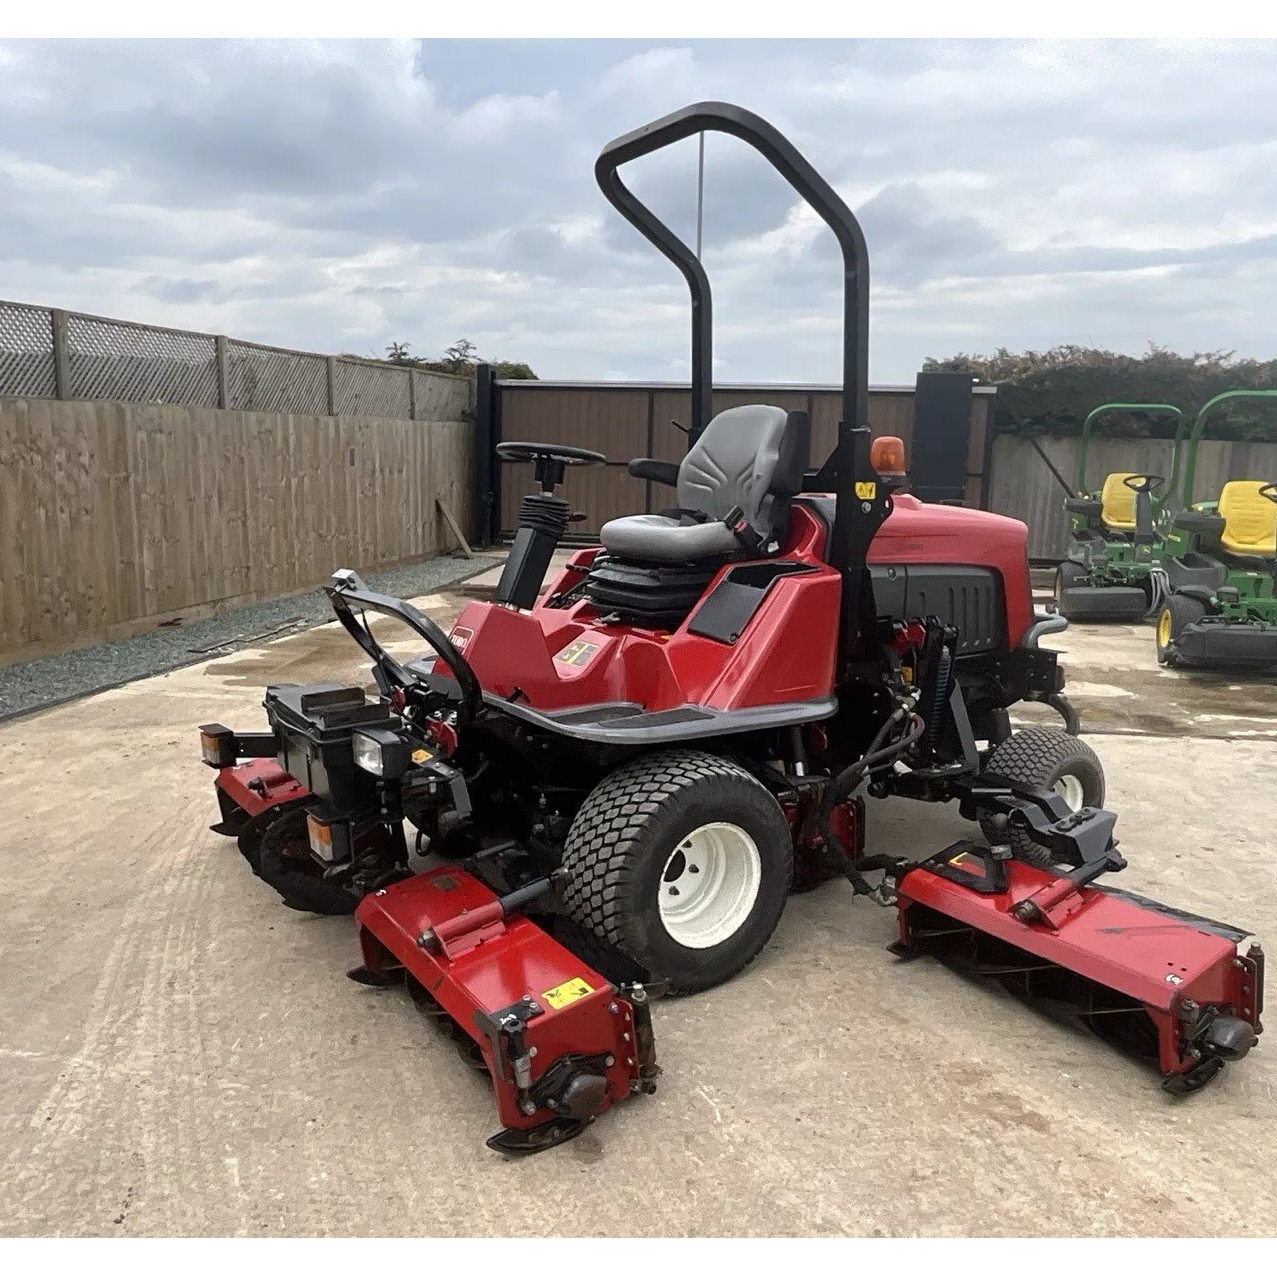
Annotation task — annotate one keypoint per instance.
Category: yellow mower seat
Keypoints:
(1250, 521)
(1118, 502)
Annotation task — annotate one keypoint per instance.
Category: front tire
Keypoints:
(682, 862)
(1043, 758)
(1067, 575)
(1180, 611)
(284, 861)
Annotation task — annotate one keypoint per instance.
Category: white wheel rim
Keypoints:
(1070, 789)
(709, 885)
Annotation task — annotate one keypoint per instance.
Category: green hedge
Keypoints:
(1051, 391)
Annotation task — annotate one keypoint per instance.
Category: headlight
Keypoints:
(380, 752)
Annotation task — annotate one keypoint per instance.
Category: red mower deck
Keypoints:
(1026, 926)
(560, 1043)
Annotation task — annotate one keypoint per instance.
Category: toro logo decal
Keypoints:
(578, 655)
(460, 637)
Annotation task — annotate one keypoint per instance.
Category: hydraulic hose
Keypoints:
(840, 788)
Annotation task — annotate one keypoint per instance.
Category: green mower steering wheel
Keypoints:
(1146, 483)
(1269, 490)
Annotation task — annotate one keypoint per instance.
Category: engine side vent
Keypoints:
(969, 598)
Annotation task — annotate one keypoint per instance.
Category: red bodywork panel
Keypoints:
(560, 659)
(1153, 957)
(491, 967)
(259, 784)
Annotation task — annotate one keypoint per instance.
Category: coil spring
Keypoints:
(935, 711)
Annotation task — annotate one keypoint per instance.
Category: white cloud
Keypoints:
(333, 195)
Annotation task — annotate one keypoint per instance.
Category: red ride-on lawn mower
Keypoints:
(626, 774)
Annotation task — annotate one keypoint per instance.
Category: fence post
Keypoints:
(222, 352)
(986, 479)
(412, 394)
(61, 354)
(486, 510)
(331, 363)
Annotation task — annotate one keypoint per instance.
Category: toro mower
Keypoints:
(619, 778)
(1113, 570)
(1221, 566)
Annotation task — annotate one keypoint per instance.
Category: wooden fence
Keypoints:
(114, 517)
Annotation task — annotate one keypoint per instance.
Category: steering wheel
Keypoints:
(554, 451)
(1150, 483)
(1269, 490)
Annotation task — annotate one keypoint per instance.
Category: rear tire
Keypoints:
(1180, 611)
(681, 861)
(1043, 758)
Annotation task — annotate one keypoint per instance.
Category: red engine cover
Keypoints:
(559, 659)
(916, 532)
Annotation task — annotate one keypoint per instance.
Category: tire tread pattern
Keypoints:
(599, 853)
(1030, 756)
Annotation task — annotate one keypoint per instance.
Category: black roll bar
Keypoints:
(858, 514)
(723, 117)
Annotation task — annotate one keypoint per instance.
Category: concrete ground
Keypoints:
(182, 1054)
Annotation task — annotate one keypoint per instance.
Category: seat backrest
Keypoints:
(752, 457)
(1250, 521)
(1118, 501)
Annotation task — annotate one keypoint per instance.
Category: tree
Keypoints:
(461, 356)
(460, 359)
(1051, 391)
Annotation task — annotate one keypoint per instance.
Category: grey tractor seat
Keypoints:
(660, 538)
(749, 461)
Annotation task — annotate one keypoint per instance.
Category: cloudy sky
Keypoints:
(338, 196)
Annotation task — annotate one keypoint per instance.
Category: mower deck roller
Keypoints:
(560, 1043)
(1160, 983)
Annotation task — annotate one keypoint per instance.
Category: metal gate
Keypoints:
(624, 420)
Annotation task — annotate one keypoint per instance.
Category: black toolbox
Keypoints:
(313, 724)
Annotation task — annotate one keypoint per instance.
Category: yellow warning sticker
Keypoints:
(577, 654)
(565, 994)
(420, 756)
(866, 491)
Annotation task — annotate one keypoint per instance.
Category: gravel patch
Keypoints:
(34, 685)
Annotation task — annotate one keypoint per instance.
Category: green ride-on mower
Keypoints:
(620, 774)
(1221, 567)
(1113, 570)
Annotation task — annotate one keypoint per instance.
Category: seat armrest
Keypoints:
(1205, 526)
(1087, 507)
(665, 472)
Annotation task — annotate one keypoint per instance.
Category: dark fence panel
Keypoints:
(627, 420)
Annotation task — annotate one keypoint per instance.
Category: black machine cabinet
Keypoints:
(941, 436)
